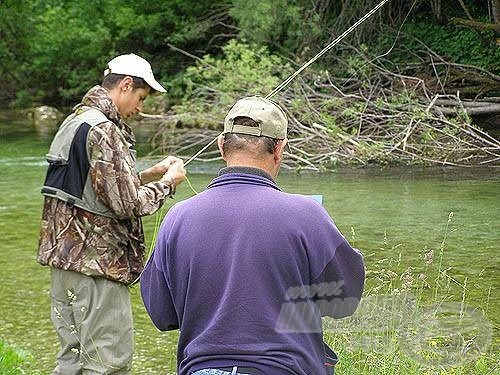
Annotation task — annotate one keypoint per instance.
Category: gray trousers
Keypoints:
(93, 319)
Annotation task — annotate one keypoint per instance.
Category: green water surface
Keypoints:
(392, 215)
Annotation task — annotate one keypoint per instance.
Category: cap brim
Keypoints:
(154, 84)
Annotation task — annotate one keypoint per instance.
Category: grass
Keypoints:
(390, 336)
(411, 320)
(415, 321)
(13, 361)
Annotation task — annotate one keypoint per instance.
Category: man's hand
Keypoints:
(175, 174)
(157, 171)
(167, 162)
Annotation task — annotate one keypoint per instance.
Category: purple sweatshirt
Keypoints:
(246, 271)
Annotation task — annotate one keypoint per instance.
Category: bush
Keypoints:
(458, 45)
(214, 84)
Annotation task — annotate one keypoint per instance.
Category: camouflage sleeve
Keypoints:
(114, 178)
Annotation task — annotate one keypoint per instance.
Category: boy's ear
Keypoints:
(126, 83)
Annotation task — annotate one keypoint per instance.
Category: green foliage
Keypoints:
(52, 51)
(14, 27)
(283, 24)
(244, 68)
(12, 359)
(356, 66)
(459, 45)
(214, 84)
(63, 63)
(353, 110)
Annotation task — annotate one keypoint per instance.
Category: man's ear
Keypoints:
(278, 151)
(220, 143)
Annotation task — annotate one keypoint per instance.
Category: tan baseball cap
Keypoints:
(133, 65)
(271, 118)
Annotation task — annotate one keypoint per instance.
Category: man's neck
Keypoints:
(246, 170)
(264, 164)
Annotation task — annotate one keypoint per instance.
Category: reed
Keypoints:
(414, 321)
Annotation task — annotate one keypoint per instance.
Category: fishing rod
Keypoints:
(289, 79)
(285, 83)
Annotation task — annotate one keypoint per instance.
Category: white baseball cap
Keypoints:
(133, 65)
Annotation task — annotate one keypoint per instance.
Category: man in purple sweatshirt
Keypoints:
(246, 271)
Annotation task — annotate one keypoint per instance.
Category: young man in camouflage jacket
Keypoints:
(91, 233)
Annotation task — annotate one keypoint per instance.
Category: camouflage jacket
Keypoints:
(77, 240)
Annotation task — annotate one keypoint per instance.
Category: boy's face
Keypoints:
(131, 101)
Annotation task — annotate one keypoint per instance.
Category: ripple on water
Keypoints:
(23, 160)
(7, 208)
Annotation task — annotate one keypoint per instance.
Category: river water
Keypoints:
(394, 216)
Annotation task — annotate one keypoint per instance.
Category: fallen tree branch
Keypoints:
(473, 111)
(476, 25)
(381, 117)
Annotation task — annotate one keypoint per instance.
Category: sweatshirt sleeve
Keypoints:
(344, 275)
(157, 298)
(337, 269)
(114, 178)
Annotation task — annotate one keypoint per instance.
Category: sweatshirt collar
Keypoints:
(243, 175)
(246, 170)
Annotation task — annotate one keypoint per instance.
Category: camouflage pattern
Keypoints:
(77, 240)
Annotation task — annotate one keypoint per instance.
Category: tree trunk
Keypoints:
(467, 13)
(436, 10)
(495, 17)
(495, 10)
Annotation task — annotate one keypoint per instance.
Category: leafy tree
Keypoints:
(213, 84)
(65, 44)
(51, 51)
(14, 25)
(67, 51)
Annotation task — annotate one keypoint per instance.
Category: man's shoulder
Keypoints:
(271, 198)
(302, 200)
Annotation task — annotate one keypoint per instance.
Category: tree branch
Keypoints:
(476, 25)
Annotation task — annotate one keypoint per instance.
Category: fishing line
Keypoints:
(326, 49)
(278, 89)
(304, 66)
(158, 220)
(203, 149)
(390, 48)
(191, 186)
(397, 34)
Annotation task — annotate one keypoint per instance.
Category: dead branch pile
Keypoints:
(374, 129)
(375, 116)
